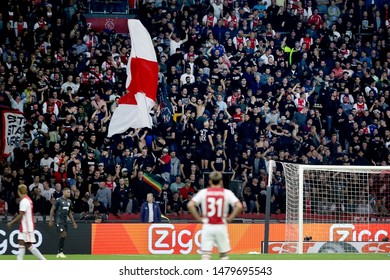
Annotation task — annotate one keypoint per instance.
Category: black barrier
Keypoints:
(77, 242)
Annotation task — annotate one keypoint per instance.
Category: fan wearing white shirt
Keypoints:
(267, 55)
(218, 8)
(47, 192)
(46, 160)
(184, 76)
(35, 184)
(175, 42)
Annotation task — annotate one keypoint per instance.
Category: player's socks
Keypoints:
(21, 253)
(223, 256)
(61, 245)
(36, 253)
(206, 257)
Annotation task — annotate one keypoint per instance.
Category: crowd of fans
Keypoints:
(240, 83)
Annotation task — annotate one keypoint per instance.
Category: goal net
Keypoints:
(330, 207)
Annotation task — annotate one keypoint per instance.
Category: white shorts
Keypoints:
(215, 235)
(27, 237)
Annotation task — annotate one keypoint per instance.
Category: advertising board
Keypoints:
(77, 242)
(283, 247)
(244, 238)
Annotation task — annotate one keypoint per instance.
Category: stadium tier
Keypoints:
(288, 99)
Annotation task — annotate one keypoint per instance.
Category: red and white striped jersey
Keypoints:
(300, 103)
(238, 40)
(27, 222)
(214, 204)
(360, 108)
(210, 21)
(85, 76)
(253, 42)
(255, 23)
(235, 21)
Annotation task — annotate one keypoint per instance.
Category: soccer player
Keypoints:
(26, 235)
(60, 211)
(215, 202)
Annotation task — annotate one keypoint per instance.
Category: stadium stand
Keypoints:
(240, 83)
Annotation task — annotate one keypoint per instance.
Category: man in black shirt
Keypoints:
(235, 78)
(185, 164)
(139, 186)
(145, 160)
(88, 161)
(93, 183)
(206, 145)
(218, 160)
(59, 213)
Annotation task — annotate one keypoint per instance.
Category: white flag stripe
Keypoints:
(128, 114)
(135, 116)
(141, 43)
(145, 105)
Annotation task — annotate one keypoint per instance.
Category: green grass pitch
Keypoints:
(215, 257)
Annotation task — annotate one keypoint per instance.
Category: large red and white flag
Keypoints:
(141, 84)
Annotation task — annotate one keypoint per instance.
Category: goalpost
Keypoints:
(328, 206)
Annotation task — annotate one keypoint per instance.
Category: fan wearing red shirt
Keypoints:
(238, 117)
(183, 192)
(315, 19)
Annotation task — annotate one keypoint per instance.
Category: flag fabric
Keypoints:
(155, 182)
(141, 84)
(12, 127)
(166, 110)
(164, 219)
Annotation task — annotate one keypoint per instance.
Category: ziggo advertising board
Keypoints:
(244, 238)
(168, 238)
